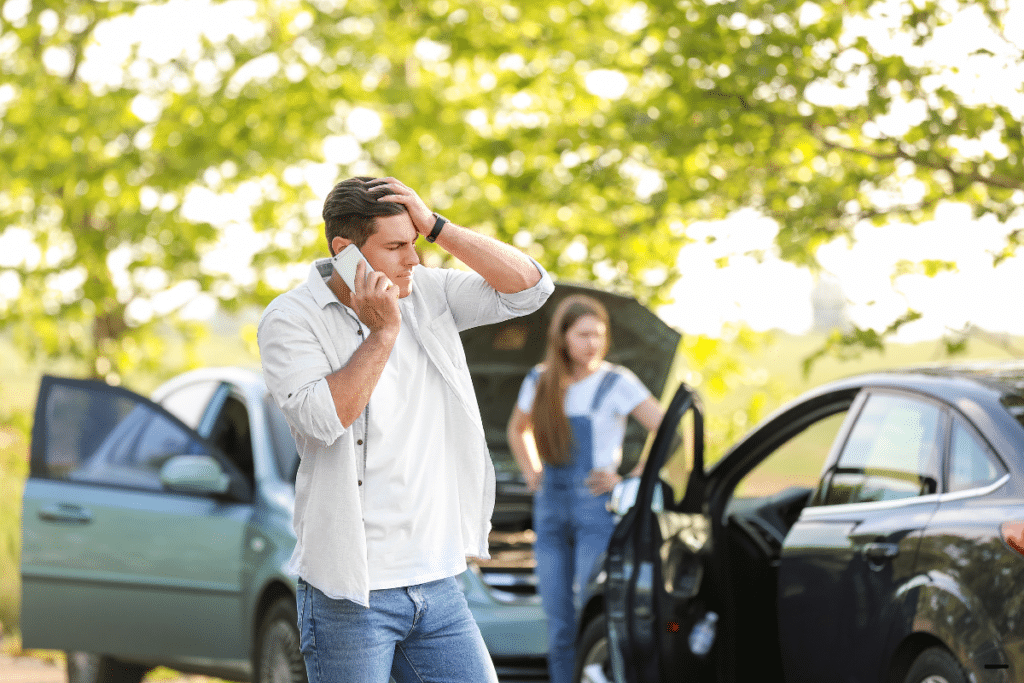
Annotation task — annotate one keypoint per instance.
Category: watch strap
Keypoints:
(438, 224)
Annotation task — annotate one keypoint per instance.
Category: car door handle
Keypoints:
(881, 551)
(65, 513)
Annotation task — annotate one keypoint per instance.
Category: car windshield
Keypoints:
(1015, 405)
(285, 453)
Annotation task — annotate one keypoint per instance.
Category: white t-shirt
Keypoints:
(613, 409)
(411, 504)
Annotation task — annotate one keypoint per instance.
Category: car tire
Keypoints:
(86, 667)
(277, 655)
(593, 649)
(935, 665)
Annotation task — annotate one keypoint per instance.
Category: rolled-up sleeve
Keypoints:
(295, 368)
(473, 302)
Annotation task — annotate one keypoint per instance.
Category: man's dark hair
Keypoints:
(351, 209)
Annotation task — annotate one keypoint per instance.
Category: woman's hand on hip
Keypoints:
(602, 481)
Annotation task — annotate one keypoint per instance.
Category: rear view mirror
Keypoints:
(194, 474)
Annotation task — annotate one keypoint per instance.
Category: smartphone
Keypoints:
(345, 262)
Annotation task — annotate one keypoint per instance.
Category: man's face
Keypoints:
(391, 250)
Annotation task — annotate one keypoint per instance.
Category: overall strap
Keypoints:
(603, 389)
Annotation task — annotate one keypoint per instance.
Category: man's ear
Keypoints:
(339, 243)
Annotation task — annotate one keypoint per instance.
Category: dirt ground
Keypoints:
(30, 670)
(24, 669)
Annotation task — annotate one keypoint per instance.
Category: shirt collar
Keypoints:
(318, 274)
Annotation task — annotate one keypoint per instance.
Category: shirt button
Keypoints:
(360, 333)
(360, 482)
(359, 443)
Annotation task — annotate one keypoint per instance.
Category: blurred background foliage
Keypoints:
(588, 132)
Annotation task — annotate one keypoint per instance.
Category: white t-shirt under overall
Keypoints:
(609, 421)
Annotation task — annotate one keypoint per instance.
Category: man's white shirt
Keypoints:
(306, 334)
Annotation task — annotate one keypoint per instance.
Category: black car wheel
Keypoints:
(935, 665)
(278, 659)
(593, 664)
(85, 667)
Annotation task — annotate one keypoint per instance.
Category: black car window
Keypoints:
(971, 463)
(675, 473)
(188, 403)
(285, 453)
(891, 452)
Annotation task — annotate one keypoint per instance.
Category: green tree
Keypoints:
(589, 132)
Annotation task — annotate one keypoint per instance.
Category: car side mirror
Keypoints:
(194, 474)
(623, 496)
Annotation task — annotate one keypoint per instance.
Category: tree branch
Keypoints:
(1002, 182)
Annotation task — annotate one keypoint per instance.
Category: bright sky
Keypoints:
(756, 287)
(765, 292)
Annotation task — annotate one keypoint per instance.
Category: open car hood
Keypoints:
(500, 355)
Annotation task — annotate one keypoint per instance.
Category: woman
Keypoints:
(566, 435)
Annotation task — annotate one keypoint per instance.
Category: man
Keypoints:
(395, 486)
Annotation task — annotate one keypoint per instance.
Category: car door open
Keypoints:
(131, 521)
(656, 558)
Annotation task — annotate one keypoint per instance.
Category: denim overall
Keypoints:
(573, 527)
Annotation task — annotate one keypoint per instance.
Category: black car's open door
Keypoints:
(656, 558)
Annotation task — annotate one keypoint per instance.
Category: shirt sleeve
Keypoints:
(473, 302)
(528, 391)
(629, 391)
(295, 370)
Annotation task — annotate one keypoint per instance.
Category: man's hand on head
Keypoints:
(399, 193)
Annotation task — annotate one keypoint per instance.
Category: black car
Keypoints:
(870, 531)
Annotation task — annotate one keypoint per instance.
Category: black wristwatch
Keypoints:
(441, 220)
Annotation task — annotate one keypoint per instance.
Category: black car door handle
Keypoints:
(881, 551)
(65, 513)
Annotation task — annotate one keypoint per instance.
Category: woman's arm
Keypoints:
(649, 414)
(524, 449)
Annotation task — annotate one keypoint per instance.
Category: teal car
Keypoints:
(155, 532)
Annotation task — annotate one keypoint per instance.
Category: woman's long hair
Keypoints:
(550, 424)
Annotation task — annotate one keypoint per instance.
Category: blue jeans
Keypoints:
(418, 633)
(573, 527)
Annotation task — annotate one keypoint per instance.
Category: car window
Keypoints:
(675, 473)
(76, 422)
(231, 434)
(136, 449)
(285, 453)
(797, 462)
(971, 463)
(188, 403)
(891, 452)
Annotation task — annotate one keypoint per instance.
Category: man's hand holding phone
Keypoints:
(373, 296)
